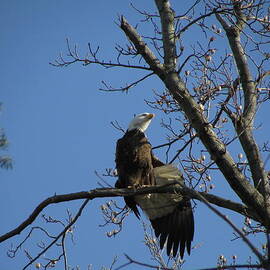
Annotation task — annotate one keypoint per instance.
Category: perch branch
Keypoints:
(112, 192)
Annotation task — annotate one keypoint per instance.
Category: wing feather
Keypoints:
(171, 215)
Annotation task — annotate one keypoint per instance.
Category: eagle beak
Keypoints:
(151, 115)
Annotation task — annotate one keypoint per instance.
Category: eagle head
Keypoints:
(141, 121)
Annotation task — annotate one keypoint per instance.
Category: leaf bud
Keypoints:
(240, 155)
(208, 57)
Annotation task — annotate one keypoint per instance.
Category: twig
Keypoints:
(61, 234)
(235, 266)
(64, 251)
(124, 88)
(131, 261)
(226, 219)
(183, 148)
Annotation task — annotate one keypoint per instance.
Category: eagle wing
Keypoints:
(170, 214)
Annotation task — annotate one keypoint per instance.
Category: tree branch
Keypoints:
(262, 76)
(158, 267)
(113, 192)
(168, 34)
(90, 59)
(61, 234)
(244, 123)
(239, 232)
(141, 47)
(196, 20)
(248, 194)
(127, 87)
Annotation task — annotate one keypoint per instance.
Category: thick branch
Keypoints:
(112, 192)
(248, 194)
(233, 35)
(168, 36)
(244, 124)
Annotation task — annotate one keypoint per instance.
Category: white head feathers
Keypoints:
(141, 121)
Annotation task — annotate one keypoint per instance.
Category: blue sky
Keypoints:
(58, 125)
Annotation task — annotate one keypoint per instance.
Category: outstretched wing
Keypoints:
(170, 214)
(177, 228)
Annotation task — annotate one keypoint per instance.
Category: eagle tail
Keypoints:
(130, 202)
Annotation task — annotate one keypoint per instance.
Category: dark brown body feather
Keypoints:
(134, 163)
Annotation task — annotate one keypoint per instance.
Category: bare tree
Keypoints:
(211, 95)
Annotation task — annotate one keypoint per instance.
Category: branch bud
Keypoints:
(208, 57)
(240, 155)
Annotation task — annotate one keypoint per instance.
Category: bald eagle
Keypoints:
(171, 215)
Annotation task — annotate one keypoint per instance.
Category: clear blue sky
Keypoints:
(58, 125)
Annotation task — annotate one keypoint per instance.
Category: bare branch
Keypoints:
(206, 133)
(168, 34)
(183, 148)
(158, 267)
(90, 59)
(141, 47)
(244, 124)
(112, 192)
(239, 232)
(59, 235)
(125, 88)
(262, 76)
(186, 27)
